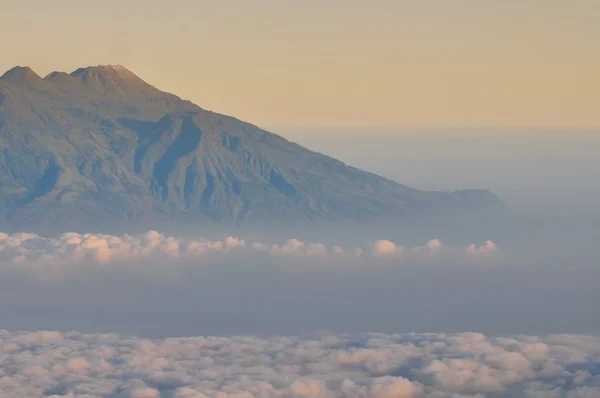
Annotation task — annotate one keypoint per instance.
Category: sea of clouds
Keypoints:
(466, 365)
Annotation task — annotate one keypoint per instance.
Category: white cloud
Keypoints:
(316, 249)
(349, 366)
(487, 248)
(434, 245)
(101, 249)
(145, 392)
(186, 392)
(385, 248)
(291, 246)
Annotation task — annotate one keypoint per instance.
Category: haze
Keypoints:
(549, 173)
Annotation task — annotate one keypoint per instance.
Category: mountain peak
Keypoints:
(112, 83)
(113, 80)
(20, 74)
(19, 71)
(105, 68)
(25, 78)
(111, 71)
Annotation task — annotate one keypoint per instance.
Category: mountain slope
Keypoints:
(100, 144)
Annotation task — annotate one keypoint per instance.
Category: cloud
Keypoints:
(338, 251)
(145, 392)
(486, 249)
(372, 365)
(316, 249)
(385, 248)
(434, 245)
(24, 248)
(291, 246)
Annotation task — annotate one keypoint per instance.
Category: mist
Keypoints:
(548, 174)
(249, 298)
(155, 285)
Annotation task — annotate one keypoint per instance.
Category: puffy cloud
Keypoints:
(291, 246)
(384, 248)
(395, 387)
(434, 245)
(186, 392)
(77, 365)
(487, 248)
(371, 365)
(23, 248)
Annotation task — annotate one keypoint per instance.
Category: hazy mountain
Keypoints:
(101, 145)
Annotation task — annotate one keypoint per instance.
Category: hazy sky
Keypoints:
(546, 172)
(335, 63)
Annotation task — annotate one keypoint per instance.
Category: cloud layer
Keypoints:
(25, 248)
(467, 365)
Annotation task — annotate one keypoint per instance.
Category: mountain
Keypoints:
(101, 145)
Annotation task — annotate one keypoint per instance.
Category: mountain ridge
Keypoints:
(100, 144)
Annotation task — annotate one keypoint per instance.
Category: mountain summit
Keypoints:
(100, 144)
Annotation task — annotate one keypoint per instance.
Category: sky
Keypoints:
(341, 63)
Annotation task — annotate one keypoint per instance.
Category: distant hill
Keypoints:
(101, 145)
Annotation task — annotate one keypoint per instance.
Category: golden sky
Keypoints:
(354, 63)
